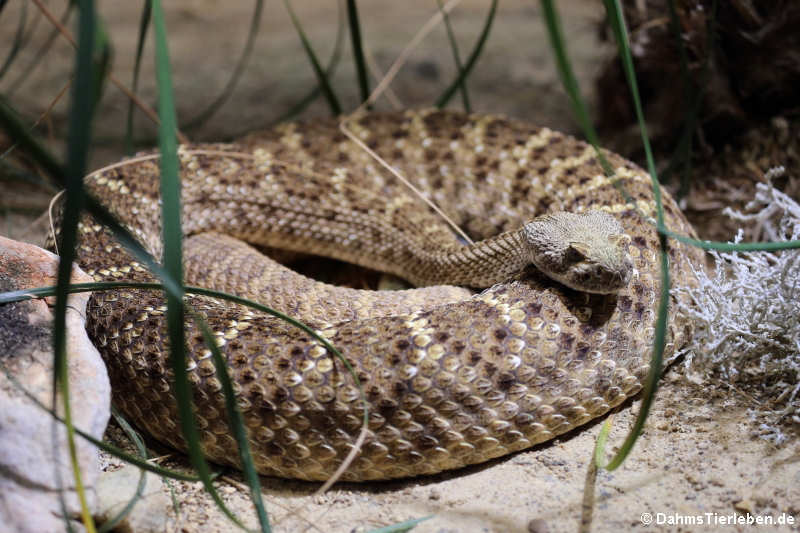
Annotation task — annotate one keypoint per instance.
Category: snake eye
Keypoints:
(576, 252)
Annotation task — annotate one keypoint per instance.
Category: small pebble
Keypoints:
(538, 525)
(744, 505)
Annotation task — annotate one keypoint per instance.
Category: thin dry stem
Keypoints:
(402, 59)
(43, 115)
(147, 110)
(53, 201)
(351, 455)
(380, 88)
(148, 157)
(376, 73)
(394, 171)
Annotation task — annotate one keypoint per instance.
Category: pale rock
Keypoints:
(34, 460)
(116, 488)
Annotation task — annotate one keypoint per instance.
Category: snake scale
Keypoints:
(452, 376)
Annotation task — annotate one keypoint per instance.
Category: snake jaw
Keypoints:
(602, 278)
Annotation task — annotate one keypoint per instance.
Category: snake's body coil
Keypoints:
(452, 378)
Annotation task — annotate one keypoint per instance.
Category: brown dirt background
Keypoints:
(698, 453)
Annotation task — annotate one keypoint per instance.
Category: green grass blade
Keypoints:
(304, 102)
(102, 61)
(173, 264)
(322, 79)
(144, 24)
(600, 443)
(236, 423)
(471, 60)
(142, 450)
(738, 247)
(85, 92)
(17, 130)
(16, 44)
(570, 82)
(32, 27)
(102, 215)
(693, 95)
(130, 432)
(220, 100)
(402, 527)
(173, 257)
(358, 50)
(451, 36)
(653, 376)
(617, 22)
(615, 16)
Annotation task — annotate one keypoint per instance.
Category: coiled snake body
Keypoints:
(452, 377)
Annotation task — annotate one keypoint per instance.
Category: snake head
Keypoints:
(587, 252)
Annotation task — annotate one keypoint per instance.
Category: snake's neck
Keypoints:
(478, 265)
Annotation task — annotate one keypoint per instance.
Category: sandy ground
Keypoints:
(695, 460)
(698, 453)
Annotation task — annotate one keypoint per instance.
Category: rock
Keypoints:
(745, 505)
(538, 525)
(116, 488)
(34, 460)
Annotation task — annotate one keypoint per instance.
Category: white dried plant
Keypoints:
(747, 314)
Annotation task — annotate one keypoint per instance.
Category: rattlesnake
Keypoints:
(452, 377)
